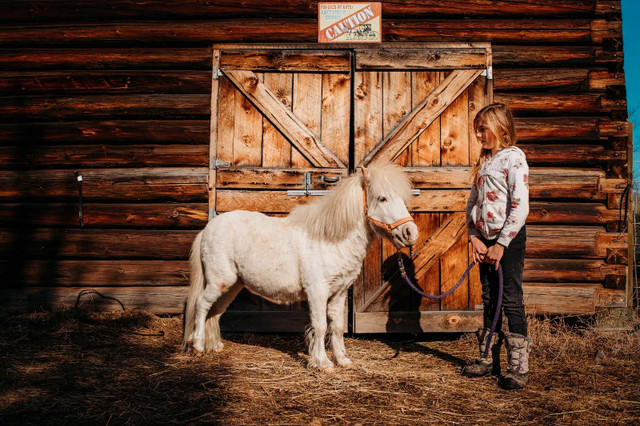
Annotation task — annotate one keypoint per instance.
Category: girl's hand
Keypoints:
(494, 255)
(479, 250)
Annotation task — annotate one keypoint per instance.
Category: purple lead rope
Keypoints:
(496, 315)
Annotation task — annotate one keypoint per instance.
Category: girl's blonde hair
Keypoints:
(499, 119)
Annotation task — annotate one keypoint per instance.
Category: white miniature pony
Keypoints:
(313, 254)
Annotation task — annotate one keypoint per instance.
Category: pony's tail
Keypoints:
(196, 288)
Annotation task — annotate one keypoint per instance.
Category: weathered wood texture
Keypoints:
(121, 91)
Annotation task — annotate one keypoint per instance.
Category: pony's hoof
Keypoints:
(328, 370)
(346, 364)
(219, 348)
(197, 353)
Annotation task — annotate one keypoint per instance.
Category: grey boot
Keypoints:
(491, 364)
(518, 348)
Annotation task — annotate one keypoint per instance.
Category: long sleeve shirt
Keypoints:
(499, 202)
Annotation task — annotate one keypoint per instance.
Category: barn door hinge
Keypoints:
(215, 163)
(488, 72)
(307, 188)
(217, 73)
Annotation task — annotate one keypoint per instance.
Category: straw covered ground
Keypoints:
(78, 367)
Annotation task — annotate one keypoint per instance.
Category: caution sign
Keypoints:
(349, 22)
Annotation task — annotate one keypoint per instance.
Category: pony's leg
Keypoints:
(335, 313)
(204, 302)
(318, 358)
(213, 340)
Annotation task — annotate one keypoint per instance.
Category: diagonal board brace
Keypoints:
(427, 255)
(305, 140)
(422, 116)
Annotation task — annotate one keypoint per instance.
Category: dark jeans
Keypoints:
(512, 263)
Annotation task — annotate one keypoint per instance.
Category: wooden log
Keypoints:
(557, 129)
(553, 103)
(565, 183)
(600, 79)
(602, 29)
(33, 59)
(147, 184)
(541, 299)
(572, 242)
(78, 10)
(95, 244)
(105, 82)
(532, 56)
(505, 31)
(541, 212)
(569, 270)
(42, 108)
(609, 129)
(155, 215)
(581, 154)
(540, 78)
(97, 273)
(286, 60)
(104, 156)
(159, 300)
(115, 131)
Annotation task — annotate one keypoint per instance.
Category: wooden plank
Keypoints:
(540, 299)
(262, 201)
(611, 298)
(425, 151)
(427, 223)
(452, 266)
(440, 201)
(117, 58)
(226, 120)
(257, 29)
(287, 60)
(281, 178)
(421, 117)
(439, 177)
(276, 150)
(34, 108)
(396, 105)
(158, 300)
(417, 322)
(80, 10)
(619, 129)
(454, 132)
(367, 113)
(604, 29)
(96, 244)
(103, 156)
(157, 215)
(307, 106)
(149, 81)
(336, 110)
(247, 133)
(569, 270)
(373, 278)
(97, 273)
(144, 184)
(108, 132)
(423, 59)
(298, 134)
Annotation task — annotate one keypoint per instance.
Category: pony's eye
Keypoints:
(382, 199)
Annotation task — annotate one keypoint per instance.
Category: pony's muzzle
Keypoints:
(406, 235)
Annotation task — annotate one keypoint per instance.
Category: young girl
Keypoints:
(496, 213)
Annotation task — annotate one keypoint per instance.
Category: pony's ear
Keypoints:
(365, 175)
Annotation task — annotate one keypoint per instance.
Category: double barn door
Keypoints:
(289, 122)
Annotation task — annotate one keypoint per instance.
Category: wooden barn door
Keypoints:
(415, 107)
(279, 134)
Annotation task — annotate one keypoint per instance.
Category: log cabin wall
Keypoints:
(119, 91)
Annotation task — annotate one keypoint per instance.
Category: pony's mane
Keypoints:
(334, 216)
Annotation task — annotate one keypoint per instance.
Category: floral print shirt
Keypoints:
(499, 201)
